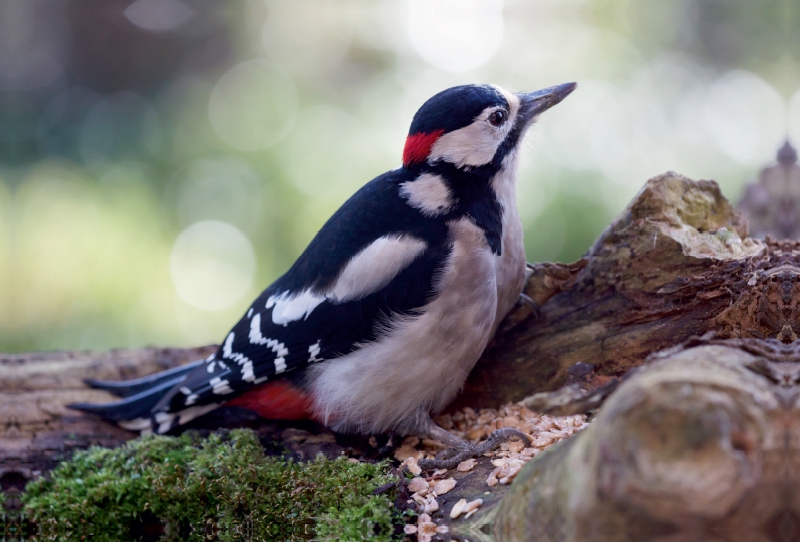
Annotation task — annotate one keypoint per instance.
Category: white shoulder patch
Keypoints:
(289, 308)
(375, 266)
(428, 193)
(365, 273)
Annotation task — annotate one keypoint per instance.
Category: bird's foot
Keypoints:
(526, 301)
(462, 450)
(386, 449)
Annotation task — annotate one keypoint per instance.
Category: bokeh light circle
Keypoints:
(212, 265)
(227, 190)
(305, 45)
(745, 117)
(253, 105)
(456, 35)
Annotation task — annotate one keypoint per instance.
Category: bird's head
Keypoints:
(475, 125)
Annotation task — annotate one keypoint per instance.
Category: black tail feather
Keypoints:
(127, 388)
(131, 407)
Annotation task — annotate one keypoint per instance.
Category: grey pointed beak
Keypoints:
(533, 104)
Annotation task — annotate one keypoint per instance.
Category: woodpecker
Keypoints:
(380, 320)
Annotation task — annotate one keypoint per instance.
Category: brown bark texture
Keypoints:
(700, 445)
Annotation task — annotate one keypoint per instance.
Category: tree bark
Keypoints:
(700, 445)
(37, 430)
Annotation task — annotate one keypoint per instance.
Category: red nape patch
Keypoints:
(276, 401)
(418, 147)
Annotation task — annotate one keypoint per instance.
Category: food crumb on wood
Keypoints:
(543, 430)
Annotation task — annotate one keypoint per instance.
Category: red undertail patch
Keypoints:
(418, 147)
(276, 401)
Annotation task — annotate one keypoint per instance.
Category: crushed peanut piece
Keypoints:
(425, 529)
(466, 465)
(443, 486)
(458, 508)
(404, 452)
(491, 481)
(431, 505)
(543, 430)
(417, 485)
(411, 464)
(473, 505)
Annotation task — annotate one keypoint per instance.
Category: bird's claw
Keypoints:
(525, 300)
(450, 458)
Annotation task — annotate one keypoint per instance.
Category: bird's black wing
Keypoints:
(310, 327)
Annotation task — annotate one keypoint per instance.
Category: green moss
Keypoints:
(221, 486)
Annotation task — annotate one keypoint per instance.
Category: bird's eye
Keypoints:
(497, 118)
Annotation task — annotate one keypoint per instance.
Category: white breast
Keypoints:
(511, 262)
(420, 362)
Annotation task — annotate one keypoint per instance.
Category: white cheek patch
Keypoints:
(472, 145)
(429, 194)
(476, 144)
(376, 265)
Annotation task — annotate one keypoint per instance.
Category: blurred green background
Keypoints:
(162, 161)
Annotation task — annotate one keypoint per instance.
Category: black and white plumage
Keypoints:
(380, 320)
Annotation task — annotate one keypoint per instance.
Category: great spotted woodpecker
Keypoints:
(381, 319)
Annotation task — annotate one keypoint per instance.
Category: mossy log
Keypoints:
(676, 263)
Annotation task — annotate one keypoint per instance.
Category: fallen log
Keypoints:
(676, 263)
(701, 444)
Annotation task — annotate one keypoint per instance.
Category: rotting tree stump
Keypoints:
(676, 264)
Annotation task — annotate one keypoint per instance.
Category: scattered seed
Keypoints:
(413, 468)
(467, 465)
(473, 505)
(458, 508)
(543, 430)
(404, 452)
(443, 486)
(431, 505)
(491, 481)
(417, 485)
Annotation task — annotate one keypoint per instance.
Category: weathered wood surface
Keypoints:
(676, 263)
(35, 427)
(702, 444)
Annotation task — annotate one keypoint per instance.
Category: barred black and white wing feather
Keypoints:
(375, 258)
